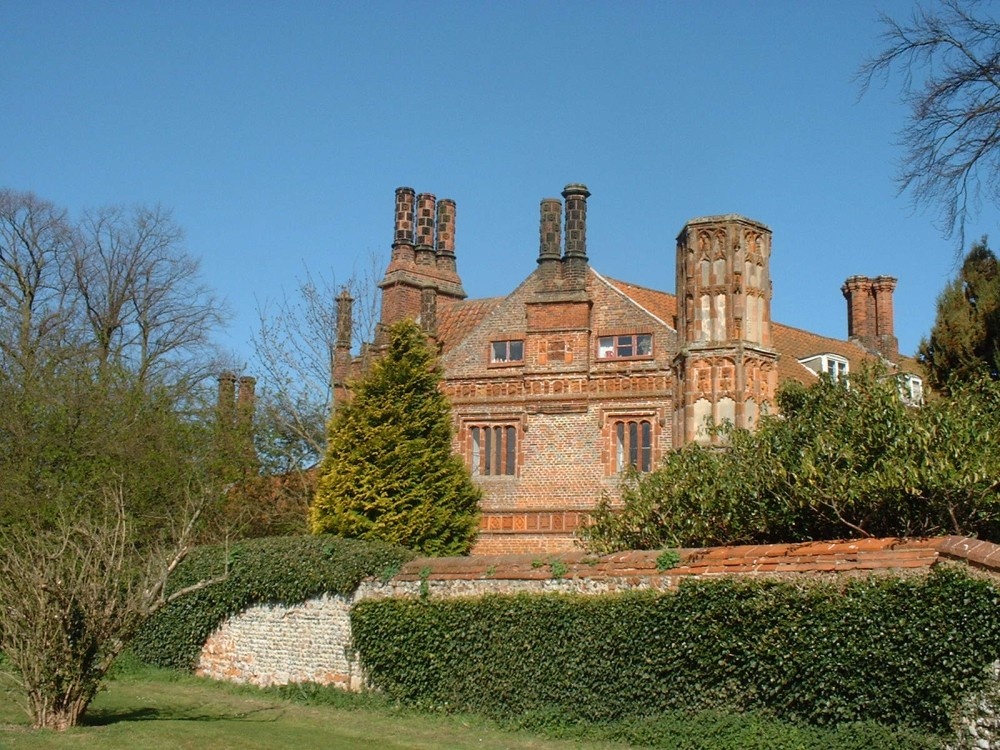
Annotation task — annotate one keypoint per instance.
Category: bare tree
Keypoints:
(949, 62)
(72, 597)
(116, 287)
(295, 346)
(143, 299)
(38, 303)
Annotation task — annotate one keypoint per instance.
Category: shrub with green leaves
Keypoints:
(842, 460)
(901, 651)
(278, 570)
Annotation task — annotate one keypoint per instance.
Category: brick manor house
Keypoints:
(570, 377)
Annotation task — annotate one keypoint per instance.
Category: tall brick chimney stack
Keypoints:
(425, 229)
(550, 240)
(402, 242)
(445, 240)
(246, 401)
(870, 314)
(345, 319)
(226, 404)
(575, 256)
(888, 344)
(340, 366)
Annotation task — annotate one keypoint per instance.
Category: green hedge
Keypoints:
(897, 650)
(281, 570)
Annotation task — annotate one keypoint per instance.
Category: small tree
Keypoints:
(965, 339)
(72, 596)
(389, 473)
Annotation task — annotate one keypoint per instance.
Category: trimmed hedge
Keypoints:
(901, 651)
(279, 570)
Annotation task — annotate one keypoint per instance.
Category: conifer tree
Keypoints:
(389, 472)
(965, 340)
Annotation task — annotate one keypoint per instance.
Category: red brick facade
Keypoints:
(572, 376)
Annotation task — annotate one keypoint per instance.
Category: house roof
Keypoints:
(457, 321)
(792, 344)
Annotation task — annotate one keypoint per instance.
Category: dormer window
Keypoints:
(834, 365)
(626, 346)
(911, 389)
(506, 352)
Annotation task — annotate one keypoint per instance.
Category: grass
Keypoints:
(149, 708)
(158, 709)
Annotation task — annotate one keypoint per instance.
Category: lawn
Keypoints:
(150, 708)
(154, 709)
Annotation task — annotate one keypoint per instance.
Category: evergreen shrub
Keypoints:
(278, 570)
(900, 651)
(389, 473)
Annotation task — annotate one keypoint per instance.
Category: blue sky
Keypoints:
(278, 132)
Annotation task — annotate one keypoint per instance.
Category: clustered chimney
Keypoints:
(569, 270)
(870, 314)
(422, 271)
(235, 411)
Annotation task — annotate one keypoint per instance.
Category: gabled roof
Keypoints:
(792, 344)
(661, 304)
(457, 320)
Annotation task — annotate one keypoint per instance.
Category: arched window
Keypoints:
(493, 450)
(633, 444)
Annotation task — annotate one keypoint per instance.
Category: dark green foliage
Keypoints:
(965, 340)
(676, 730)
(389, 472)
(898, 651)
(716, 730)
(284, 570)
(840, 462)
(68, 440)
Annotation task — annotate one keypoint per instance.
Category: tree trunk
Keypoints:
(59, 714)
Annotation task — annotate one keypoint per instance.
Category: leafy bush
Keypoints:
(839, 462)
(284, 570)
(899, 651)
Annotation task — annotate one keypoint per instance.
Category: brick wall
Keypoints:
(277, 644)
(563, 400)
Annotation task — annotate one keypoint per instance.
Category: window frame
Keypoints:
(912, 396)
(835, 366)
(493, 449)
(632, 442)
(509, 361)
(616, 342)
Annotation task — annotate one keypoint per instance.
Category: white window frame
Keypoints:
(834, 365)
(508, 358)
(911, 388)
(609, 347)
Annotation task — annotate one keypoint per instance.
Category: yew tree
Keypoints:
(965, 340)
(389, 473)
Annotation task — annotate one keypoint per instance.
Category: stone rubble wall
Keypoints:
(276, 644)
(273, 644)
